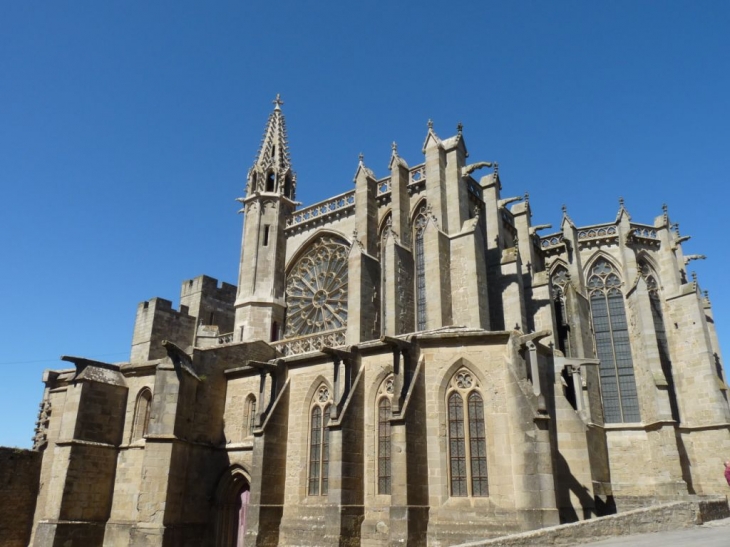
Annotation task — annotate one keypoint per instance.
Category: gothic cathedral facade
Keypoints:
(407, 362)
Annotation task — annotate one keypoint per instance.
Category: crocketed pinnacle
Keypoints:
(274, 150)
(271, 171)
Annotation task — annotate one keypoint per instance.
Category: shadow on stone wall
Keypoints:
(19, 475)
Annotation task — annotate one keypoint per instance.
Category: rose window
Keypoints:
(316, 289)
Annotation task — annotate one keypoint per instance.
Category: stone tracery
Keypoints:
(316, 289)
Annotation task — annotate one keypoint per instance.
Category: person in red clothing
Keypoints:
(727, 472)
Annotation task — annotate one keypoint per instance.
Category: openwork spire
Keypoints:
(272, 170)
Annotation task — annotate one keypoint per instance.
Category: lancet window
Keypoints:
(141, 414)
(610, 329)
(316, 289)
(467, 439)
(419, 226)
(250, 416)
(560, 279)
(319, 443)
(385, 394)
(655, 301)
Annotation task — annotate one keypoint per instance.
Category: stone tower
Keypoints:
(260, 302)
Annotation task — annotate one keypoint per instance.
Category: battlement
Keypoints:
(209, 287)
(157, 321)
(203, 301)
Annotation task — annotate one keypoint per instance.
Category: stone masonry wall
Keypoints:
(672, 516)
(19, 473)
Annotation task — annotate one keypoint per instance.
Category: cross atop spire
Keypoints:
(277, 102)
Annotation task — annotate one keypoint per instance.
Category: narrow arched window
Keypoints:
(657, 316)
(270, 182)
(559, 279)
(250, 417)
(467, 437)
(141, 414)
(457, 445)
(315, 451)
(288, 186)
(610, 329)
(384, 446)
(384, 232)
(319, 441)
(477, 446)
(325, 450)
(419, 225)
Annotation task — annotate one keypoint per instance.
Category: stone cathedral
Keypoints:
(411, 361)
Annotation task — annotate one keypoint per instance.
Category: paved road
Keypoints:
(712, 534)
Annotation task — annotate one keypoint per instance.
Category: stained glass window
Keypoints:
(316, 289)
(620, 400)
(467, 437)
(384, 446)
(477, 446)
(315, 447)
(319, 443)
(457, 446)
(419, 227)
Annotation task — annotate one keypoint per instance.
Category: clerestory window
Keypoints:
(655, 301)
(610, 329)
(419, 226)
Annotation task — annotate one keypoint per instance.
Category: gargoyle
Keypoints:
(535, 229)
(690, 258)
(504, 202)
(469, 169)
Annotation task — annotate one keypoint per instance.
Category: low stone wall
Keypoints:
(19, 474)
(670, 516)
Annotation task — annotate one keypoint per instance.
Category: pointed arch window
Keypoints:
(650, 278)
(250, 416)
(419, 226)
(466, 437)
(384, 232)
(560, 279)
(141, 414)
(318, 476)
(610, 329)
(385, 394)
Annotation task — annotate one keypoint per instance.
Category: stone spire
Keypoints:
(272, 170)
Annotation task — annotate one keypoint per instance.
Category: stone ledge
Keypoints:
(670, 516)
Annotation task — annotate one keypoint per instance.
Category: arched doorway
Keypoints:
(232, 500)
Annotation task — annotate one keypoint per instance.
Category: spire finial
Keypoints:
(459, 128)
(430, 123)
(665, 209)
(361, 157)
(565, 209)
(527, 197)
(277, 102)
(394, 147)
(621, 202)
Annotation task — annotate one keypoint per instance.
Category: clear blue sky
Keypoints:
(127, 129)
